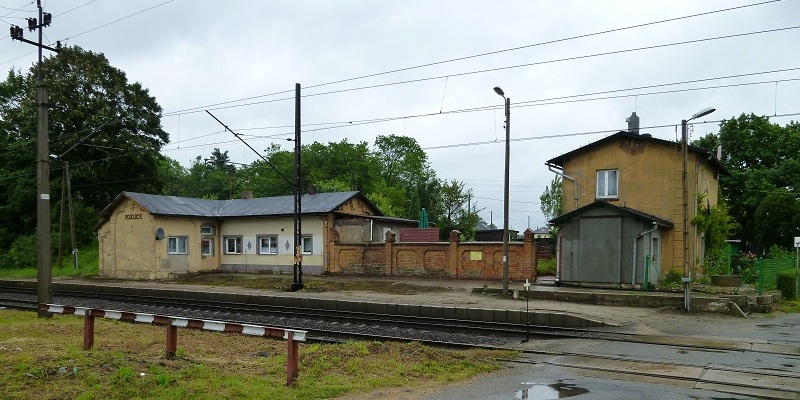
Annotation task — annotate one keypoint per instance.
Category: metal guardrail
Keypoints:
(293, 336)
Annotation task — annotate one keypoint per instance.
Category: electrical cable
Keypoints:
(208, 106)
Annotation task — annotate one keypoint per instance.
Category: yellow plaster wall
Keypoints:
(127, 243)
(649, 181)
(129, 249)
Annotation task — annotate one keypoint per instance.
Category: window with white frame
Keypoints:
(308, 244)
(177, 244)
(233, 244)
(207, 247)
(268, 244)
(607, 184)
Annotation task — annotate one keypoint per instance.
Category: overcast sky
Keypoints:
(195, 54)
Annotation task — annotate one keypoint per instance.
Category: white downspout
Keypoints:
(639, 236)
(565, 176)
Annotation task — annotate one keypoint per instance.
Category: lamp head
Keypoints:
(704, 112)
(499, 91)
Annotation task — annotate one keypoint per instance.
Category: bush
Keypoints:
(786, 284)
(546, 267)
(21, 254)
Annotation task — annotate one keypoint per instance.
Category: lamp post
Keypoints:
(687, 278)
(505, 191)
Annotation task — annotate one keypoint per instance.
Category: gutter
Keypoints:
(565, 176)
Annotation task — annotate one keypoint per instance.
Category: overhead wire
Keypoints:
(481, 71)
(581, 36)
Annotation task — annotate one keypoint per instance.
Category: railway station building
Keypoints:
(147, 236)
(622, 199)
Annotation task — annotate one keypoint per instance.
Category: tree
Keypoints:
(108, 129)
(777, 219)
(456, 211)
(762, 158)
(551, 199)
(405, 165)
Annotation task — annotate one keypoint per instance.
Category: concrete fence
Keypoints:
(452, 259)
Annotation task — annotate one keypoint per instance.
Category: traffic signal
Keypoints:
(47, 18)
(16, 32)
(31, 24)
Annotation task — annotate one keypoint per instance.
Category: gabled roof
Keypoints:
(319, 203)
(604, 204)
(712, 159)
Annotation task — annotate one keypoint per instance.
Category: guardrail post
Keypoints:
(88, 330)
(172, 340)
(291, 360)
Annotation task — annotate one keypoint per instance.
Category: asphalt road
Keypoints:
(761, 361)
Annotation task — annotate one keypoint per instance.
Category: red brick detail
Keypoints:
(419, 235)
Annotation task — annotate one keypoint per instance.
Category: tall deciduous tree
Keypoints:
(763, 159)
(107, 128)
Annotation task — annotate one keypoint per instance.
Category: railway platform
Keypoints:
(549, 304)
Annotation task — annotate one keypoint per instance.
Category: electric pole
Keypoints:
(43, 260)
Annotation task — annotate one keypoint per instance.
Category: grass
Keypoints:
(546, 267)
(789, 306)
(88, 263)
(41, 358)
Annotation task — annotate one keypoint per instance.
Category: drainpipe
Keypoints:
(639, 236)
(565, 176)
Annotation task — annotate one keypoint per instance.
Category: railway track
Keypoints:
(337, 325)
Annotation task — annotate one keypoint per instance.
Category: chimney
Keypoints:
(719, 152)
(633, 123)
(247, 194)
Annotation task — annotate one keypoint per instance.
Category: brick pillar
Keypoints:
(333, 260)
(388, 255)
(528, 269)
(455, 237)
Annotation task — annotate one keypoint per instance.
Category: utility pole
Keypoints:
(297, 270)
(43, 258)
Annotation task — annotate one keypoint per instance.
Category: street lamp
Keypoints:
(505, 191)
(687, 278)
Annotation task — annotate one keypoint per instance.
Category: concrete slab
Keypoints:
(759, 380)
(664, 370)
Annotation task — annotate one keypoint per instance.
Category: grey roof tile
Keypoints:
(263, 206)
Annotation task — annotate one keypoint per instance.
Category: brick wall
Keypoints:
(454, 259)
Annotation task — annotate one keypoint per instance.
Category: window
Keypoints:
(207, 230)
(233, 245)
(268, 244)
(307, 245)
(207, 247)
(607, 181)
(177, 244)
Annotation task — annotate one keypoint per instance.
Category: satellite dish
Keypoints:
(159, 234)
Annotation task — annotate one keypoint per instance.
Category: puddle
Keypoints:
(546, 392)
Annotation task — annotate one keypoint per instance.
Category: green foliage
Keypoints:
(777, 252)
(746, 265)
(454, 214)
(546, 267)
(672, 278)
(107, 128)
(21, 254)
(551, 199)
(787, 284)
(764, 161)
(716, 224)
